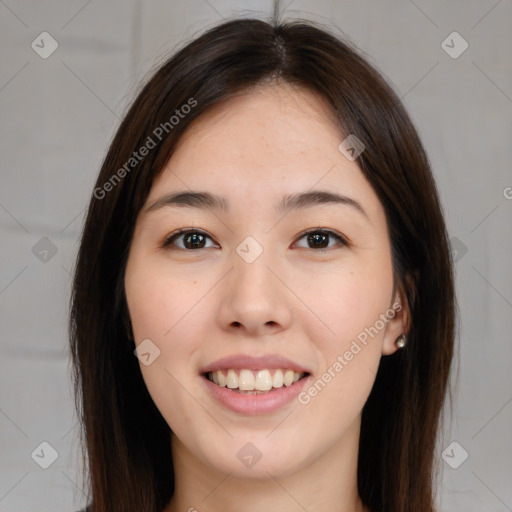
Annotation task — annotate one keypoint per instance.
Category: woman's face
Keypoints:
(277, 275)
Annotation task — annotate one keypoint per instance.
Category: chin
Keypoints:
(259, 460)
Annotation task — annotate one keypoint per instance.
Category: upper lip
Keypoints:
(244, 361)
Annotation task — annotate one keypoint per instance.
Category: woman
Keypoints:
(263, 301)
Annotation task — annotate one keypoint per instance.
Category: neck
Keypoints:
(327, 484)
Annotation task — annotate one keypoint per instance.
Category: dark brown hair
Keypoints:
(126, 441)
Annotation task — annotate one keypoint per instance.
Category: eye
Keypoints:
(188, 239)
(192, 239)
(321, 238)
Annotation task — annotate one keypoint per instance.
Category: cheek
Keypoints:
(161, 310)
(350, 304)
(165, 314)
(158, 302)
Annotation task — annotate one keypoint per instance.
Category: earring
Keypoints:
(400, 341)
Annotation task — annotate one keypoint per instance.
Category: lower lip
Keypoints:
(255, 404)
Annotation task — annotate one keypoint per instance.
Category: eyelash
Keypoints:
(168, 241)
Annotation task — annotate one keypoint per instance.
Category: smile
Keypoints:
(254, 401)
(254, 382)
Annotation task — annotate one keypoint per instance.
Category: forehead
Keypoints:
(261, 144)
(281, 118)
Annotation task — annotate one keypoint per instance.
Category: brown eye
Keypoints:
(321, 239)
(188, 240)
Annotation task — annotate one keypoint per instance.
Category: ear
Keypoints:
(399, 323)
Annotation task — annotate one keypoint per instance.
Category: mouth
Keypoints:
(255, 382)
(252, 385)
(251, 392)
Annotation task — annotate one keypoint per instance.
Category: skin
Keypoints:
(296, 300)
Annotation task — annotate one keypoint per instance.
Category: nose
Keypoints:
(254, 300)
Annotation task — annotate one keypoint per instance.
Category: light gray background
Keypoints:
(59, 114)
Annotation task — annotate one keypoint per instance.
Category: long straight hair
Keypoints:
(125, 440)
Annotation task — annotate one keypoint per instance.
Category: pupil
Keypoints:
(318, 240)
(196, 239)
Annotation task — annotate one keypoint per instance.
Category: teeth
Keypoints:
(232, 379)
(261, 380)
(246, 381)
(277, 379)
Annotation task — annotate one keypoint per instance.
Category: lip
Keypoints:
(244, 361)
(255, 404)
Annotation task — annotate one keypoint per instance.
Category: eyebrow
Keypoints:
(206, 200)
